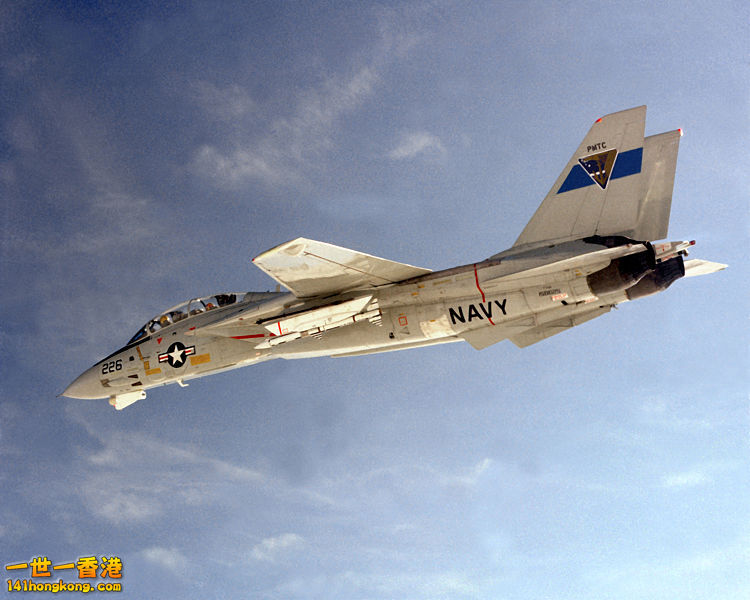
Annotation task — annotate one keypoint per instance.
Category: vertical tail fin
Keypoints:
(657, 182)
(616, 183)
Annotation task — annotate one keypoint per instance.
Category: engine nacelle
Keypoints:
(622, 273)
(659, 279)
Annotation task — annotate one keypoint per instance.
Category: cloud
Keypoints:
(224, 103)
(106, 231)
(284, 147)
(358, 583)
(134, 478)
(22, 135)
(18, 65)
(675, 576)
(375, 488)
(88, 260)
(281, 153)
(7, 173)
(685, 480)
(470, 478)
(413, 144)
(168, 558)
(672, 415)
(317, 110)
(271, 549)
(230, 169)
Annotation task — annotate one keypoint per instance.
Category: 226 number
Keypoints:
(111, 366)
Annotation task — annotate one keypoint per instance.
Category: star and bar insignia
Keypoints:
(177, 354)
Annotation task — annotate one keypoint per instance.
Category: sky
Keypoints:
(148, 150)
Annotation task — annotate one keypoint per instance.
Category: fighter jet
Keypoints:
(589, 247)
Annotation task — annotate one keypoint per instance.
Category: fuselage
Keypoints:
(495, 298)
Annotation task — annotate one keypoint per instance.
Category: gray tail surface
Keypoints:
(616, 183)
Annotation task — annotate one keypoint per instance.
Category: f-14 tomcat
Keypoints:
(589, 246)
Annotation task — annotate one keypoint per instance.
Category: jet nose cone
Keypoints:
(86, 386)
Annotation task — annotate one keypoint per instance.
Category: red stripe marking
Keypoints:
(279, 324)
(476, 279)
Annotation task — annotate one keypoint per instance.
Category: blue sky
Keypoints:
(148, 151)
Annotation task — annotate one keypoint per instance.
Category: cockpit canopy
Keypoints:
(189, 309)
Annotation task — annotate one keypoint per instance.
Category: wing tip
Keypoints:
(280, 247)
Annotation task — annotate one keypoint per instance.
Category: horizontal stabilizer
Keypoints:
(537, 334)
(309, 268)
(697, 266)
(484, 337)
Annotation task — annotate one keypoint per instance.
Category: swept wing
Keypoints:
(309, 268)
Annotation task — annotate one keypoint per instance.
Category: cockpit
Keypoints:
(188, 309)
